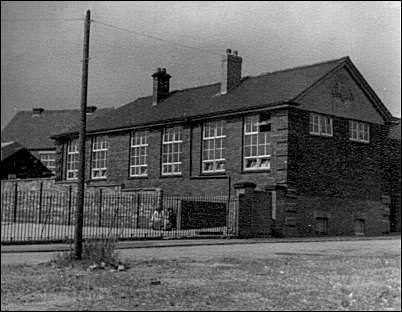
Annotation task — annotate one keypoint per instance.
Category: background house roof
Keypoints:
(264, 90)
(34, 131)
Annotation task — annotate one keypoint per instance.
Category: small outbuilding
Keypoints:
(18, 163)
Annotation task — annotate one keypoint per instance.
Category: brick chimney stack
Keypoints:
(160, 85)
(231, 71)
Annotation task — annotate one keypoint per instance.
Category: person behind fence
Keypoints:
(163, 220)
(157, 219)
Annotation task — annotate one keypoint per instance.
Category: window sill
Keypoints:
(171, 176)
(358, 141)
(137, 177)
(321, 135)
(209, 176)
(256, 171)
(97, 179)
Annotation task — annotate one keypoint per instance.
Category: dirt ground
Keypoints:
(354, 275)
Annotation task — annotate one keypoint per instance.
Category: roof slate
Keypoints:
(34, 132)
(263, 90)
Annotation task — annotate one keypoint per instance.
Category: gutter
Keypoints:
(282, 104)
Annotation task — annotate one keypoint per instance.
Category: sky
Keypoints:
(41, 46)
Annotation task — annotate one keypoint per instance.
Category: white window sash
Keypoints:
(72, 160)
(99, 145)
(174, 132)
(213, 137)
(136, 155)
(320, 125)
(249, 123)
(359, 131)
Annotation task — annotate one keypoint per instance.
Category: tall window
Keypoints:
(213, 159)
(72, 160)
(172, 151)
(257, 146)
(48, 158)
(139, 154)
(321, 125)
(359, 131)
(99, 151)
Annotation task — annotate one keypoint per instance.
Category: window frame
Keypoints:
(364, 131)
(133, 146)
(75, 155)
(216, 124)
(317, 126)
(177, 140)
(45, 161)
(99, 145)
(267, 156)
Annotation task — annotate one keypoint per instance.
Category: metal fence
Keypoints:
(49, 216)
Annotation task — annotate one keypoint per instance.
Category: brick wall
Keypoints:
(334, 166)
(192, 181)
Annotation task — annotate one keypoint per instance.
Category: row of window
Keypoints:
(322, 125)
(257, 148)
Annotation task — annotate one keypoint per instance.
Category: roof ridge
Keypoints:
(302, 66)
(263, 74)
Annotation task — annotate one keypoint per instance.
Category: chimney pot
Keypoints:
(228, 51)
(235, 52)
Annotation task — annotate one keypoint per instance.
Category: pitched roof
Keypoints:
(395, 130)
(34, 132)
(257, 91)
(9, 148)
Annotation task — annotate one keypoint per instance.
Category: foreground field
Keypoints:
(362, 275)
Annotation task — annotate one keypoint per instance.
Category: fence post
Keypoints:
(15, 201)
(138, 210)
(70, 190)
(178, 216)
(40, 200)
(100, 208)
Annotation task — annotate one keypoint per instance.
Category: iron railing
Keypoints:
(48, 216)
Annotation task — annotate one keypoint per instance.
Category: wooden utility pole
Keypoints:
(79, 212)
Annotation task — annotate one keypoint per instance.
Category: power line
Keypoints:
(41, 19)
(156, 38)
(257, 66)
